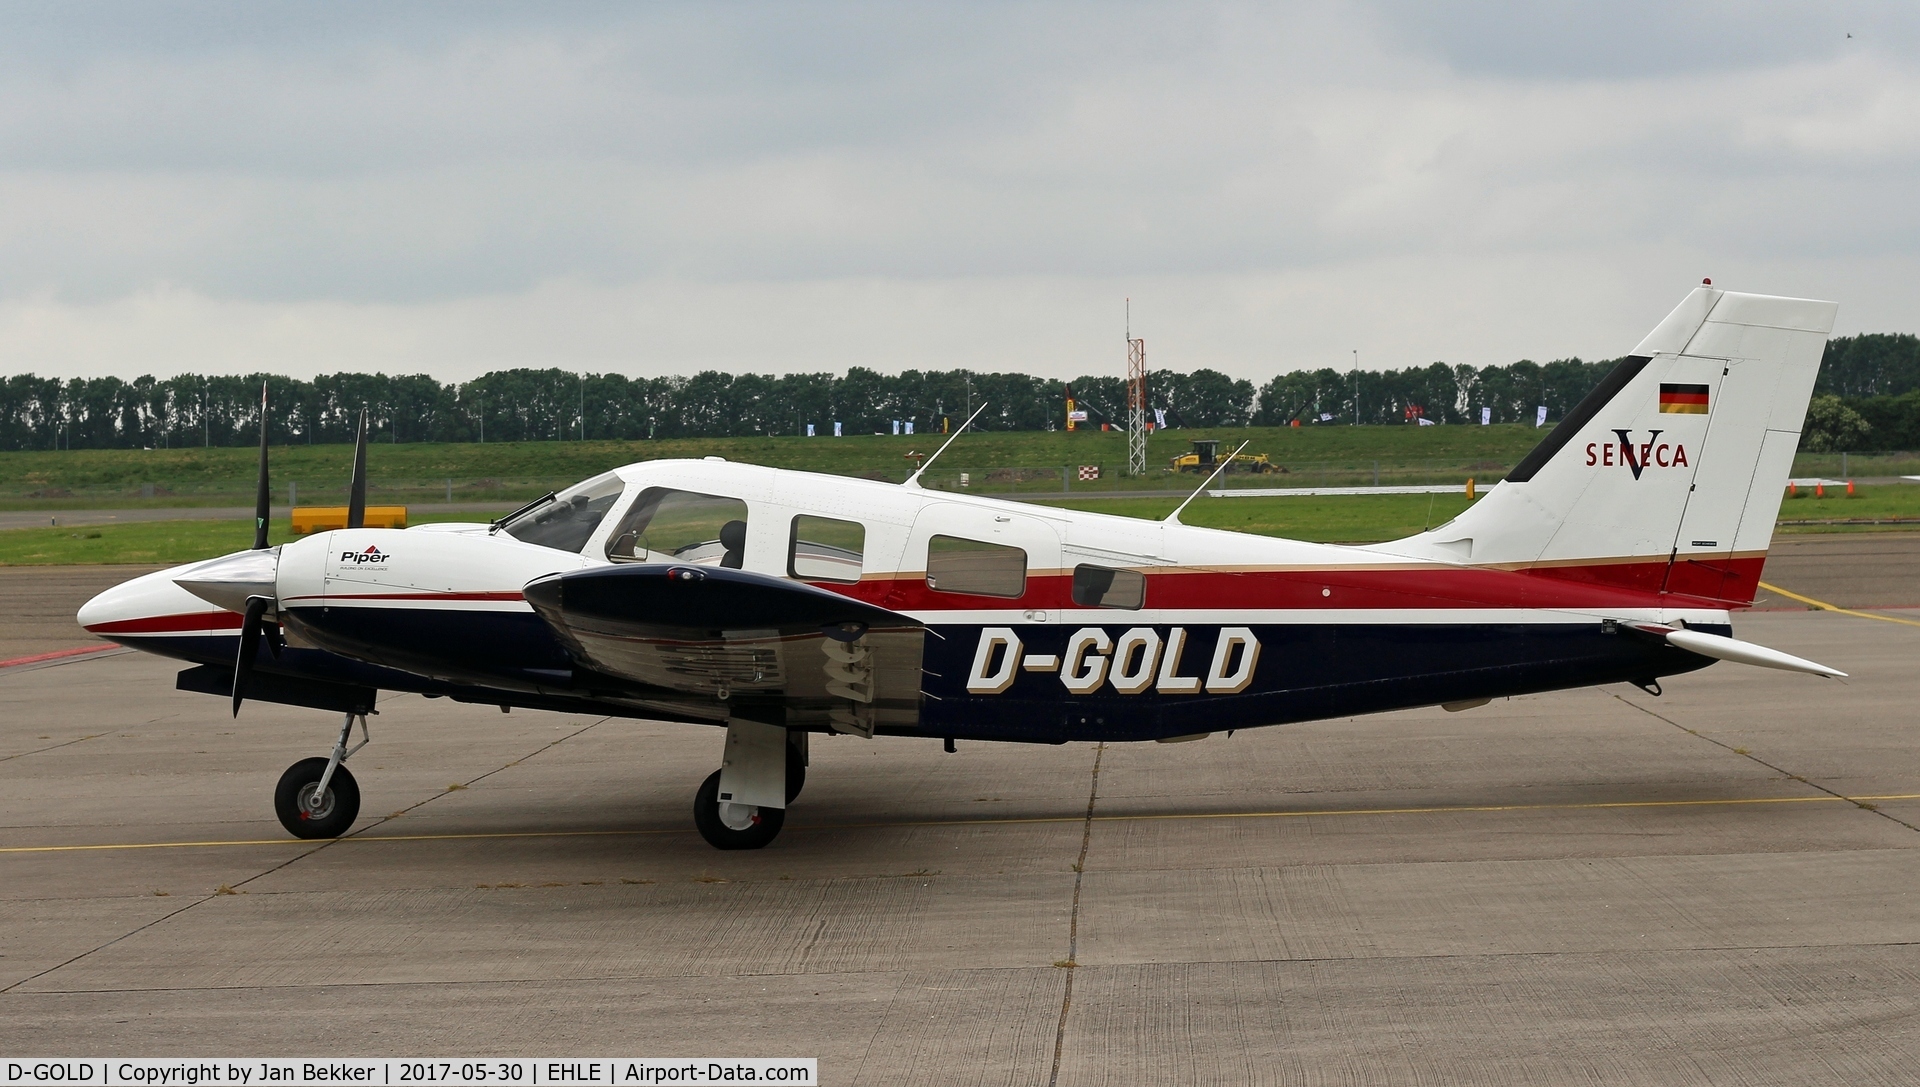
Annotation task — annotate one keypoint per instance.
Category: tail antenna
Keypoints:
(1174, 517)
(914, 479)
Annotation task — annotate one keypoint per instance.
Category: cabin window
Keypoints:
(569, 520)
(824, 549)
(1105, 587)
(681, 526)
(955, 565)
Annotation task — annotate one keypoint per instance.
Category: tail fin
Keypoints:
(1668, 476)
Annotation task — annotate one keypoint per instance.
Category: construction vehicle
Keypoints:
(1206, 454)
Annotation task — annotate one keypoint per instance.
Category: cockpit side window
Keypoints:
(567, 522)
(666, 525)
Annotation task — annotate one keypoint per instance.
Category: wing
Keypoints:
(742, 639)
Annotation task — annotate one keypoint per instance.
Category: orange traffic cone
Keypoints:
(1849, 488)
(1819, 490)
(1792, 491)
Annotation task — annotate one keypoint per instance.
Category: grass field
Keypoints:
(1031, 463)
(156, 542)
(1868, 503)
(999, 461)
(1343, 519)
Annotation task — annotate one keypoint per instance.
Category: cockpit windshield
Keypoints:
(565, 523)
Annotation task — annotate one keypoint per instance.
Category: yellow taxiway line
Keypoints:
(1824, 606)
(1441, 809)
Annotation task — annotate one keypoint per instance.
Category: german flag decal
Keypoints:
(1683, 399)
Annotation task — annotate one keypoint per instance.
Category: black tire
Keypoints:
(337, 810)
(796, 773)
(706, 816)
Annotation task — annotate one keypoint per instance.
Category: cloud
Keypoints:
(457, 188)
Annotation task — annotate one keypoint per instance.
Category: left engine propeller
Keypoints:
(253, 622)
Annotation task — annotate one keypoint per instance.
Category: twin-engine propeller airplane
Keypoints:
(780, 604)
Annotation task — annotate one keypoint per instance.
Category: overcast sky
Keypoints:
(662, 188)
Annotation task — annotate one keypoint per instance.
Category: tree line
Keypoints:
(1870, 375)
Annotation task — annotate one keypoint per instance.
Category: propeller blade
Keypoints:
(262, 498)
(249, 645)
(357, 493)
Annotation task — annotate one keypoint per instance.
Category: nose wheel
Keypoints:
(307, 809)
(317, 797)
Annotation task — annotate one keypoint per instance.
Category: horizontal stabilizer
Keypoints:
(1733, 649)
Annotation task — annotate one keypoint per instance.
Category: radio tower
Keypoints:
(1136, 400)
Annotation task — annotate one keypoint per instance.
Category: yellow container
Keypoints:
(310, 519)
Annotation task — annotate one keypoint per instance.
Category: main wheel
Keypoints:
(733, 826)
(306, 815)
(796, 772)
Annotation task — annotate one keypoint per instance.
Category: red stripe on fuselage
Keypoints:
(1591, 587)
(170, 624)
(1692, 583)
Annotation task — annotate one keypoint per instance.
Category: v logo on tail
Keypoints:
(1640, 463)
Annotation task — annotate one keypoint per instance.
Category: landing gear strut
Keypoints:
(318, 798)
(742, 805)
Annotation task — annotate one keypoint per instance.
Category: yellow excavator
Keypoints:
(1206, 454)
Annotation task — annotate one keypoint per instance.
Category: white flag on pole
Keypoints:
(1540, 416)
(809, 430)
(1486, 416)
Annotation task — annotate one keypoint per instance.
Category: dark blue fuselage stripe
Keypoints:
(1305, 672)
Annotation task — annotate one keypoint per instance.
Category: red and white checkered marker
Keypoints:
(1089, 473)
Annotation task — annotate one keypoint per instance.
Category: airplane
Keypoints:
(779, 605)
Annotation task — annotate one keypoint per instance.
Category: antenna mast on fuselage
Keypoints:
(914, 479)
(1174, 517)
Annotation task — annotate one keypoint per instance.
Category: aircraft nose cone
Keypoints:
(106, 607)
(228, 581)
(149, 604)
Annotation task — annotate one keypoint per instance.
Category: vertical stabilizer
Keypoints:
(1668, 476)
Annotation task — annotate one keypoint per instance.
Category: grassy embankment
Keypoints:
(1001, 461)
(157, 542)
(505, 473)
(1356, 519)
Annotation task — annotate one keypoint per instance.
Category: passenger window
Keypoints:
(955, 565)
(681, 526)
(824, 549)
(1104, 587)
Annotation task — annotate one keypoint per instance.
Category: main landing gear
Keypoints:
(743, 804)
(318, 798)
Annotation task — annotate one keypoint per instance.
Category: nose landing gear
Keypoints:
(317, 797)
